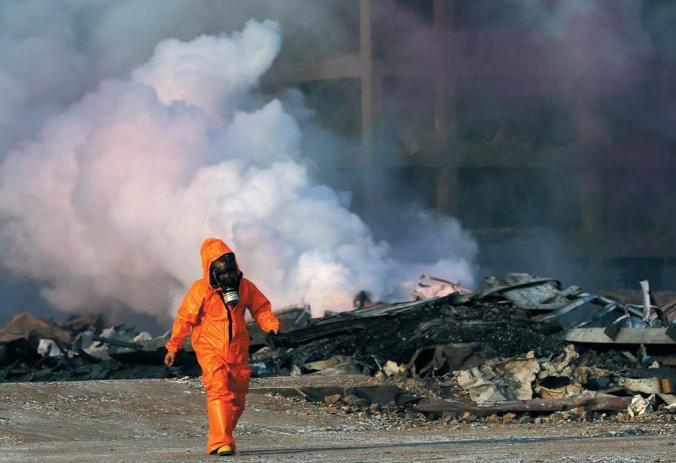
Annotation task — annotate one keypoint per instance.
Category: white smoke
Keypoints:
(108, 204)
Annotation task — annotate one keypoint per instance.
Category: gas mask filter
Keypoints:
(224, 275)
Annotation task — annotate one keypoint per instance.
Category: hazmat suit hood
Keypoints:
(212, 249)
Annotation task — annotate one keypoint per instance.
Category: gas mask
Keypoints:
(223, 274)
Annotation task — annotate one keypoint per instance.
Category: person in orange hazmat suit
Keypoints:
(213, 309)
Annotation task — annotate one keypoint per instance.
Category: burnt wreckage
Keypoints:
(521, 345)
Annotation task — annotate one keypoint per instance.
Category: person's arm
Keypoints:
(185, 318)
(261, 311)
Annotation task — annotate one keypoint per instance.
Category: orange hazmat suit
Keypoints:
(221, 342)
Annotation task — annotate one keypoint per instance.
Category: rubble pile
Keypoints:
(522, 346)
(32, 349)
(416, 334)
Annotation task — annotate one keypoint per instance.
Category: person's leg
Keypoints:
(238, 386)
(215, 381)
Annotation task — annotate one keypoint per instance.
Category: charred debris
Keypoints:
(521, 347)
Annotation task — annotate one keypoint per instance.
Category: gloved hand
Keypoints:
(169, 358)
(275, 340)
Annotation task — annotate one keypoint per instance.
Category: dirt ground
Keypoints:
(164, 420)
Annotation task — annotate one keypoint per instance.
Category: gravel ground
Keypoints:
(164, 420)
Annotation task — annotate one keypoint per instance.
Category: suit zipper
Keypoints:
(227, 307)
(227, 310)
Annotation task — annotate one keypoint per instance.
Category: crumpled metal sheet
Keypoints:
(566, 308)
(429, 287)
(526, 291)
(496, 381)
(641, 405)
(625, 335)
(25, 325)
(48, 348)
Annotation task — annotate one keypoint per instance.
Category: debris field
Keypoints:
(522, 349)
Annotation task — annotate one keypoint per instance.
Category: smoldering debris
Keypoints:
(32, 349)
(521, 346)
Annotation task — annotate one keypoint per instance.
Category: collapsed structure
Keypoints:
(521, 345)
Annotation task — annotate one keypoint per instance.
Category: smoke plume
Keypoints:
(107, 193)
